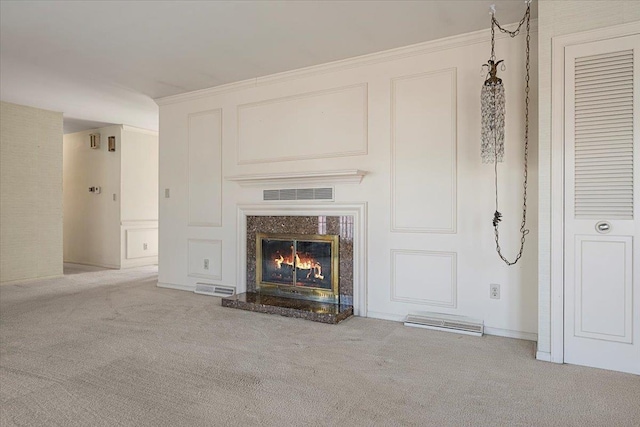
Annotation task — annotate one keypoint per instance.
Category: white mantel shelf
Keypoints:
(348, 176)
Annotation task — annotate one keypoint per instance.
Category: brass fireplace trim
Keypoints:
(303, 292)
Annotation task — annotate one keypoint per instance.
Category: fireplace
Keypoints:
(298, 266)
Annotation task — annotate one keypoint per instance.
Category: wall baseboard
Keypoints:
(506, 333)
(386, 316)
(29, 279)
(543, 355)
(176, 286)
(94, 264)
(139, 262)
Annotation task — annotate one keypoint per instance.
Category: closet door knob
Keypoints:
(603, 227)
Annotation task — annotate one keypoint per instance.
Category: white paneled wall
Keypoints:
(410, 118)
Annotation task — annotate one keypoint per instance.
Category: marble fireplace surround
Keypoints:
(246, 280)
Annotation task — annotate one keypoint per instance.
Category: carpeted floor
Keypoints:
(107, 348)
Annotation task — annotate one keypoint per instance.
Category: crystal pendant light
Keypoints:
(493, 107)
(492, 133)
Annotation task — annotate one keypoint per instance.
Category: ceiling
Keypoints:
(104, 62)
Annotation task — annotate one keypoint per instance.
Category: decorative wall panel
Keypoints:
(142, 243)
(424, 277)
(603, 293)
(205, 258)
(205, 168)
(423, 126)
(330, 123)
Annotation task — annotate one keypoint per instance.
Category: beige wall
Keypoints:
(139, 201)
(117, 228)
(557, 18)
(92, 221)
(31, 193)
(139, 157)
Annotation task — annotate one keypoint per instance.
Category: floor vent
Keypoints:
(214, 290)
(325, 193)
(446, 322)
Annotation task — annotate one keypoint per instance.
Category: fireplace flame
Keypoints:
(304, 263)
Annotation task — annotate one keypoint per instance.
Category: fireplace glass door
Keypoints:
(298, 266)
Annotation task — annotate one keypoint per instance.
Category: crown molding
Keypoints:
(203, 93)
(452, 42)
(139, 130)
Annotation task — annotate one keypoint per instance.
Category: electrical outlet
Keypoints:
(144, 246)
(206, 264)
(494, 291)
(166, 193)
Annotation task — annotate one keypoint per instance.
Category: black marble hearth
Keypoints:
(304, 309)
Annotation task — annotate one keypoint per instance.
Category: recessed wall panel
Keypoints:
(330, 123)
(423, 125)
(424, 277)
(603, 297)
(205, 168)
(205, 258)
(142, 243)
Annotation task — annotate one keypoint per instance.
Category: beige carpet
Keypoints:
(107, 348)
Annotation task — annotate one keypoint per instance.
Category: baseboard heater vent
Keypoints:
(298, 194)
(446, 322)
(214, 290)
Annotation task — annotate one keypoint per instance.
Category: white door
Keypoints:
(602, 152)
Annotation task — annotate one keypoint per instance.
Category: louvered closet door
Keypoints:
(602, 269)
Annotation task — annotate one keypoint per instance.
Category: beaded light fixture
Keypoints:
(493, 120)
(493, 106)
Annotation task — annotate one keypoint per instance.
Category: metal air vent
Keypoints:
(446, 322)
(214, 290)
(325, 193)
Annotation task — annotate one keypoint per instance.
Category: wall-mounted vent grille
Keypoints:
(214, 290)
(604, 136)
(446, 322)
(298, 194)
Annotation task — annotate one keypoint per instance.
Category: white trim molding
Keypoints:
(498, 332)
(357, 210)
(140, 223)
(176, 286)
(508, 333)
(543, 356)
(350, 176)
(129, 128)
(556, 296)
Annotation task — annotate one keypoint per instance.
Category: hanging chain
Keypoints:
(497, 215)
